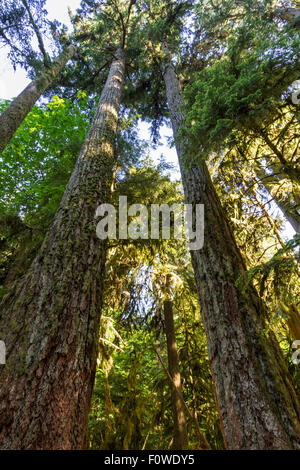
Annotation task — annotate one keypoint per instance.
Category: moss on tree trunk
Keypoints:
(50, 320)
(257, 402)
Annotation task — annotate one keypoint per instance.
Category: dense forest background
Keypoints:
(140, 344)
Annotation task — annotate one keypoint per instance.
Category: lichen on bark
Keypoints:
(50, 320)
(257, 401)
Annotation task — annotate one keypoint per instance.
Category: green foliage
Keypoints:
(34, 171)
(22, 23)
(236, 61)
(131, 406)
(243, 89)
(124, 412)
(37, 164)
(282, 265)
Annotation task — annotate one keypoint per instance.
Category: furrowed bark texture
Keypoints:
(13, 116)
(257, 402)
(50, 321)
(180, 432)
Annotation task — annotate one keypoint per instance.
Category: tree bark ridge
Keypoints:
(50, 320)
(257, 402)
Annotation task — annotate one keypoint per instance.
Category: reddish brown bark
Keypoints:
(50, 320)
(257, 402)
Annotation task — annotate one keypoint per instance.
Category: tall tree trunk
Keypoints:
(50, 320)
(13, 116)
(257, 402)
(180, 441)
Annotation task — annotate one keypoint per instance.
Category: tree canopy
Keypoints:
(236, 63)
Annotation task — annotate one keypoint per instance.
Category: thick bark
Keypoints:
(51, 319)
(257, 402)
(180, 441)
(13, 116)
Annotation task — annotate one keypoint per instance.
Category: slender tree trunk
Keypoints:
(180, 441)
(202, 439)
(289, 211)
(257, 402)
(289, 13)
(50, 320)
(293, 321)
(291, 170)
(290, 214)
(37, 32)
(13, 116)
